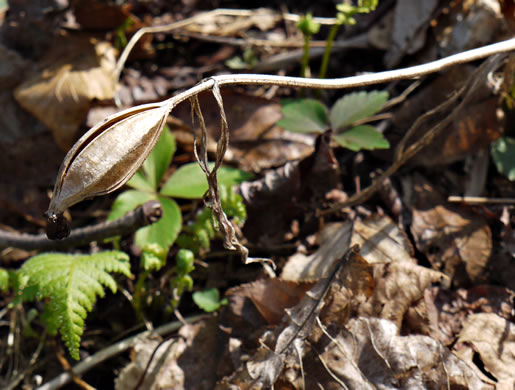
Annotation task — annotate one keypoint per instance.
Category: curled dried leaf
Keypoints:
(105, 158)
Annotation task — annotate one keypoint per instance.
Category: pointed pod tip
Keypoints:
(57, 226)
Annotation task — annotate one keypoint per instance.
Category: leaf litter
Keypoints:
(412, 304)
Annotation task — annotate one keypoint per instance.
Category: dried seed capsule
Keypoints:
(105, 158)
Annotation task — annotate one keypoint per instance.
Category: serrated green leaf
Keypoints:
(356, 106)
(208, 300)
(72, 284)
(190, 182)
(503, 154)
(362, 137)
(304, 116)
(165, 231)
(128, 201)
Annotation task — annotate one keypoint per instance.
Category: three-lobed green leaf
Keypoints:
(356, 106)
(311, 116)
(362, 137)
(71, 283)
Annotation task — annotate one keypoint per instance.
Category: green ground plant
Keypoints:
(344, 16)
(187, 182)
(312, 116)
(209, 299)
(69, 285)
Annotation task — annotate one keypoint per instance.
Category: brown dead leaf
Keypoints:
(493, 338)
(447, 309)
(455, 240)
(272, 296)
(335, 240)
(223, 25)
(175, 364)
(382, 241)
(351, 275)
(12, 67)
(398, 286)
(100, 15)
(283, 195)
(476, 125)
(75, 71)
(256, 143)
(411, 20)
(370, 354)
(354, 283)
(466, 25)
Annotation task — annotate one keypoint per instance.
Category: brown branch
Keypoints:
(145, 214)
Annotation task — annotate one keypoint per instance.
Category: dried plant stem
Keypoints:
(346, 82)
(194, 19)
(145, 214)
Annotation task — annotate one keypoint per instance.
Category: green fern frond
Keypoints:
(4, 280)
(72, 284)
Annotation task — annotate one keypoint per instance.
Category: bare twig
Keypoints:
(145, 214)
(346, 82)
(113, 350)
(480, 200)
(194, 19)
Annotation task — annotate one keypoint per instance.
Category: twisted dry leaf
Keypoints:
(104, 159)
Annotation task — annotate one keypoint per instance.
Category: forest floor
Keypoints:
(370, 267)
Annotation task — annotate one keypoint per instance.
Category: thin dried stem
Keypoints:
(346, 82)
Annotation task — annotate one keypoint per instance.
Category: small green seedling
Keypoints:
(209, 300)
(188, 182)
(247, 61)
(197, 235)
(312, 116)
(182, 281)
(344, 16)
(308, 27)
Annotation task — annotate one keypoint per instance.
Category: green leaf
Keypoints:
(159, 160)
(153, 257)
(190, 182)
(128, 201)
(356, 106)
(307, 25)
(165, 231)
(362, 137)
(140, 182)
(304, 116)
(72, 283)
(4, 280)
(503, 154)
(208, 300)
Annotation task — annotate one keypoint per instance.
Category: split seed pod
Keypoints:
(104, 159)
